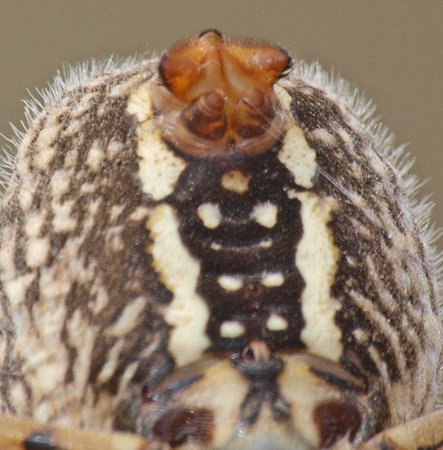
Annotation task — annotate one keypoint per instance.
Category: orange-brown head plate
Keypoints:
(215, 96)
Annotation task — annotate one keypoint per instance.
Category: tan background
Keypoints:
(391, 50)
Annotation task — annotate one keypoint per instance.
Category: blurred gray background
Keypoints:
(391, 50)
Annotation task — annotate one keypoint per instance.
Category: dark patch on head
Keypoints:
(336, 419)
(182, 425)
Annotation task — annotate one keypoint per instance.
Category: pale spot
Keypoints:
(46, 150)
(84, 105)
(62, 221)
(361, 336)
(17, 288)
(216, 246)
(94, 206)
(274, 279)
(82, 336)
(265, 214)
(71, 158)
(291, 193)
(265, 244)
(188, 313)
(114, 238)
(34, 224)
(88, 188)
(60, 183)
(209, 214)
(346, 137)
(236, 181)
(112, 359)
(46, 378)
(317, 259)
(159, 167)
(230, 282)
(284, 98)
(74, 127)
(95, 156)
(116, 210)
(324, 136)
(27, 194)
(7, 253)
(128, 319)
(114, 149)
(276, 323)
(37, 251)
(140, 213)
(231, 329)
(18, 396)
(101, 299)
(298, 157)
(140, 103)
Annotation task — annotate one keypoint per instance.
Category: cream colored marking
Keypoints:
(71, 158)
(62, 221)
(74, 127)
(18, 396)
(114, 148)
(34, 223)
(188, 313)
(60, 183)
(95, 156)
(81, 335)
(140, 213)
(114, 238)
(84, 105)
(276, 323)
(101, 299)
(284, 99)
(272, 279)
(324, 136)
(116, 210)
(27, 194)
(128, 318)
(7, 253)
(159, 167)
(57, 279)
(265, 214)
(88, 188)
(92, 212)
(266, 244)
(209, 214)
(231, 329)
(316, 259)
(216, 246)
(112, 360)
(46, 378)
(17, 288)
(46, 150)
(346, 137)
(230, 282)
(298, 157)
(37, 250)
(236, 181)
(361, 336)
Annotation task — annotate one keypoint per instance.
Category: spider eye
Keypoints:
(336, 419)
(178, 426)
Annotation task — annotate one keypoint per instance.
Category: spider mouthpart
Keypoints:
(215, 96)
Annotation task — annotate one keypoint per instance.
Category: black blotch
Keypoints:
(181, 425)
(41, 441)
(335, 419)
